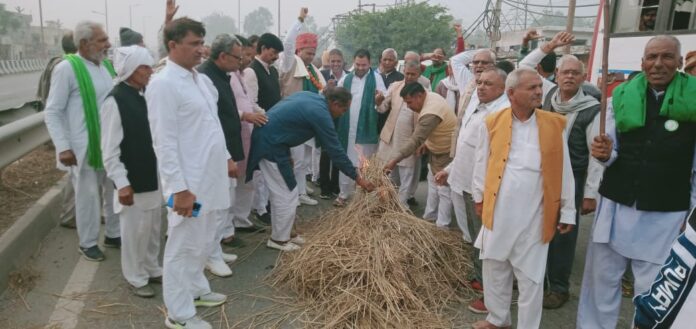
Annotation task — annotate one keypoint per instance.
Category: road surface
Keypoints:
(81, 294)
(17, 89)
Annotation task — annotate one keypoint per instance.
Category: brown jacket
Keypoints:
(293, 80)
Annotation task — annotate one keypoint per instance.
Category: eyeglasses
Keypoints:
(480, 62)
(239, 58)
(572, 73)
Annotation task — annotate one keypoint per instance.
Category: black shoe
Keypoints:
(265, 218)
(412, 201)
(112, 242)
(92, 254)
(155, 280)
(326, 196)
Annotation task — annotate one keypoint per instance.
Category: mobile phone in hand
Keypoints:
(196, 206)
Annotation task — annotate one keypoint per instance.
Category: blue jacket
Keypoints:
(291, 122)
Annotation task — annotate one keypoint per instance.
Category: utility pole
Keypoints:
(43, 42)
(239, 15)
(569, 23)
(279, 18)
(494, 34)
(130, 14)
(106, 16)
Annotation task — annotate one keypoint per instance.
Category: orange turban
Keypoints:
(306, 40)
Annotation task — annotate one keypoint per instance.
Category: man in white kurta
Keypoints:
(399, 127)
(127, 158)
(356, 151)
(193, 165)
(515, 240)
(65, 120)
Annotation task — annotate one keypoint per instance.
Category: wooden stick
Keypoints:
(605, 67)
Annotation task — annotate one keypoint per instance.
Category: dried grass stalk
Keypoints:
(373, 264)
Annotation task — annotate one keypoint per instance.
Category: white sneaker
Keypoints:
(288, 246)
(218, 268)
(192, 323)
(304, 199)
(229, 258)
(309, 190)
(298, 239)
(210, 299)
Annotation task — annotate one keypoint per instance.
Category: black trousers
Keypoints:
(328, 175)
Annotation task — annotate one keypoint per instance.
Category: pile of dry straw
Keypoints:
(373, 264)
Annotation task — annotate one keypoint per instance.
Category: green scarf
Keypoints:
(628, 100)
(435, 74)
(89, 104)
(109, 67)
(367, 121)
(307, 84)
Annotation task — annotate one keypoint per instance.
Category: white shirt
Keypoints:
(356, 89)
(251, 81)
(461, 169)
(64, 113)
(187, 136)
(462, 74)
(531, 61)
(287, 57)
(111, 138)
(518, 214)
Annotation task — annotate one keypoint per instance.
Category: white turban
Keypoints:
(128, 59)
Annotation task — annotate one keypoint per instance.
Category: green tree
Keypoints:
(218, 23)
(420, 27)
(258, 21)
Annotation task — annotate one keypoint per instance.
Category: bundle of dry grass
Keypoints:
(375, 265)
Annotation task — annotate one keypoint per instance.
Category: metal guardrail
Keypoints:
(22, 136)
(16, 113)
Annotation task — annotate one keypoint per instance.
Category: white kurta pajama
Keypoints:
(356, 151)
(515, 243)
(65, 121)
(618, 236)
(141, 222)
(461, 169)
(191, 155)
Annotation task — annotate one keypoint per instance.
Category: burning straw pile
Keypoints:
(375, 265)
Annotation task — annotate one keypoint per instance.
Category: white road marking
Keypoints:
(70, 305)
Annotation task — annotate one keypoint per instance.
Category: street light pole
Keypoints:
(43, 41)
(278, 18)
(106, 16)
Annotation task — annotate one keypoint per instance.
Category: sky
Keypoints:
(148, 15)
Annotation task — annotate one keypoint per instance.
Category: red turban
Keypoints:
(306, 40)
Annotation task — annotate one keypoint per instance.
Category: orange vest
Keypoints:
(551, 126)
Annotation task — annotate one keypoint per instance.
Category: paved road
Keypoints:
(18, 89)
(80, 294)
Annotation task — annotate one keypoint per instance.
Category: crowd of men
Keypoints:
(515, 155)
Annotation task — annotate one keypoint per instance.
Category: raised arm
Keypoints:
(287, 57)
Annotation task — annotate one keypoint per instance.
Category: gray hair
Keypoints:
(411, 53)
(84, 30)
(565, 58)
(488, 52)
(497, 71)
(390, 50)
(513, 79)
(222, 44)
(411, 65)
(664, 37)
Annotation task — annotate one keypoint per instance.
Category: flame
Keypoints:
(363, 162)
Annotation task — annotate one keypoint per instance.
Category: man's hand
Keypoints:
(183, 203)
(478, 208)
(379, 97)
(565, 228)
(389, 167)
(67, 158)
(258, 119)
(125, 196)
(588, 206)
(231, 168)
(171, 10)
(421, 150)
(441, 178)
(366, 185)
(602, 146)
(331, 83)
(303, 13)
(559, 40)
(532, 34)
(458, 29)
